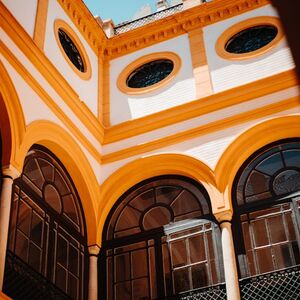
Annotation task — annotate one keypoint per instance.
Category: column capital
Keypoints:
(94, 250)
(224, 216)
(10, 171)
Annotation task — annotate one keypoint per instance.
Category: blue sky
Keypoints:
(118, 10)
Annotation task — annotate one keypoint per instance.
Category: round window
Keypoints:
(71, 50)
(150, 73)
(251, 39)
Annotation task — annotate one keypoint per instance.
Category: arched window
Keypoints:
(47, 230)
(159, 241)
(267, 202)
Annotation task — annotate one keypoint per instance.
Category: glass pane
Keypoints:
(290, 226)
(32, 171)
(197, 248)
(282, 256)
(24, 217)
(178, 253)
(70, 208)
(122, 267)
(276, 229)
(152, 267)
(109, 278)
(185, 203)
(296, 252)
(52, 197)
(123, 291)
(73, 287)
(35, 257)
(22, 245)
(47, 169)
(143, 201)
(257, 183)
(166, 194)
(271, 164)
(73, 260)
(287, 181)
(36, 229)
(62, 251)
(61, 184)
(139, 263)
(156, 217)
(199, 276)
(181, 280)
(292, 158)
(140, 289)
(260, 233)
(61, 278)
(128, 218)
(264, 260)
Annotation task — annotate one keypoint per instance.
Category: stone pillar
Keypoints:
(230, 268)
(9, 174)
(93, 272)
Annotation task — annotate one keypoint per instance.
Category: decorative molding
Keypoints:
(177, 24)
(40, 23)
(201, 130)
(86, 24)
(201, 106)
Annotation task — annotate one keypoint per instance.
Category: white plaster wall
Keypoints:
(86, 89)
(207, 148)
(202, 120)
(180, 90)
(226, 74)
(24, 11)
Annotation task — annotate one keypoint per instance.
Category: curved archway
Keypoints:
(12, 122)
(247, 143)
(61, 144)
(151, 166)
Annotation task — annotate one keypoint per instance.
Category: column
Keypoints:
(9, 174)
(230, 268)
(93, 272)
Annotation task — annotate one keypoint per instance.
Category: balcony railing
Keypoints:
(21, 282)
(215, 292)
(282, 284)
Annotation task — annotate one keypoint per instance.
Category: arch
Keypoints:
(62, 145)
(247, 143)
(147, 167)
(12, 122)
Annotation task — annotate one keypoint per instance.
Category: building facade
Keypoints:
(155, 159)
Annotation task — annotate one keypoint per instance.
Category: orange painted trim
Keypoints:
(63, 145)
(60, 24)
(25, 74)
(236, 28)
(200, 65)
(122, 79)
(202, 130)
(147, 167)
(40, 23)
(247, 143)
(49, 72)
(202, 106)
(4, 297)
(178, 24)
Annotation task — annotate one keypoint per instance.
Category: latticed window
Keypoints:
(150, 73)
(47, 228)
(267, 194)
(160, 241)
(251, 39)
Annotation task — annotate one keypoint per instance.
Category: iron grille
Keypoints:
(283, 284)
(215, 292)
(127, 26)
(21, 282)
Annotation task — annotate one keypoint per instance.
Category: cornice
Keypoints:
(177, 24)
(85, 23)
(201, 106)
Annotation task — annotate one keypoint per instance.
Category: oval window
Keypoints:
(150, 73)
(251, 39)
(71, 50)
